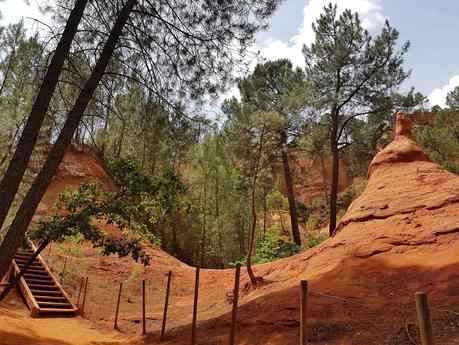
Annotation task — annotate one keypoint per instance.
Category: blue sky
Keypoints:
(430, 25)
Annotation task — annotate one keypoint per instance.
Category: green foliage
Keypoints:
(271, 248)
(441, 140)
(315, 240)
(411, 103)
(277, 201)
(346, 197)
(311, 223)
(452, 99)
(218, 192)
(140, 204)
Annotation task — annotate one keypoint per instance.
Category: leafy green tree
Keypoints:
(19, 68)
(315, 143)
(276, 86)
(350, 73)
(134, 211)
(441, 140)
(410, 103)
(275, 200)
(452, 98)
(255, 138)
(272, 248)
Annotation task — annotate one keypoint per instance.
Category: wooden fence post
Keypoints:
(79, 292)
(166, 304)
(63, 271)
(303, 310)
(144, 330)
(115, 326)
(84, 296)
(195, 307)
(424, 320)
(235, 303)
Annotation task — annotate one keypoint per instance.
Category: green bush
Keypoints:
(271, 248)
(315, 240)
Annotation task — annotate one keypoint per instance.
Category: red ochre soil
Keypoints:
(400, 236)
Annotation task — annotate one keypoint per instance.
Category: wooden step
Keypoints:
(45, 292)
(40, 288)
(24, 253)
(37, 271)
(58, 311)
(23, 257)
(21, 261)
(44, 281)
(36, 276)
(31, 267)
(43, 286)
(50, 298)
(53, 304)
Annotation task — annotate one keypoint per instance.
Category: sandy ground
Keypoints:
(18, 328)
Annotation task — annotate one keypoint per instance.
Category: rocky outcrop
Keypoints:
(404, 184)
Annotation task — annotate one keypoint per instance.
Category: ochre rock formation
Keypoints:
(406, 189)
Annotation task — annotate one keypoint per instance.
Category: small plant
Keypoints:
(311, 223)
(340, 214)
(346, 197)
(134, 276)
(315, 240)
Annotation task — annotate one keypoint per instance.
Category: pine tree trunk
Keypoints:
(252, 276)
(291, 198)
(30, 203)
(204, 224)
(18, 164)
(265, 213)
(324, 181)
(335, 171)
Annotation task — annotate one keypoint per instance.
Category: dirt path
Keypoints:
(18, 328)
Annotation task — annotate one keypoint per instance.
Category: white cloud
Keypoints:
(438, 96)
(14, 10)
(370, 12)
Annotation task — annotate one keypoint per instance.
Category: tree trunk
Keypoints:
(120, 142)
(281, 221)
(335, 171)
(291, 198)
(29, 205)
(324, 181)
(265, 213)
(18, 164)
(252, 276)
(203, 237)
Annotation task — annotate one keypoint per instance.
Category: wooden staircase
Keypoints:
(42, 293)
